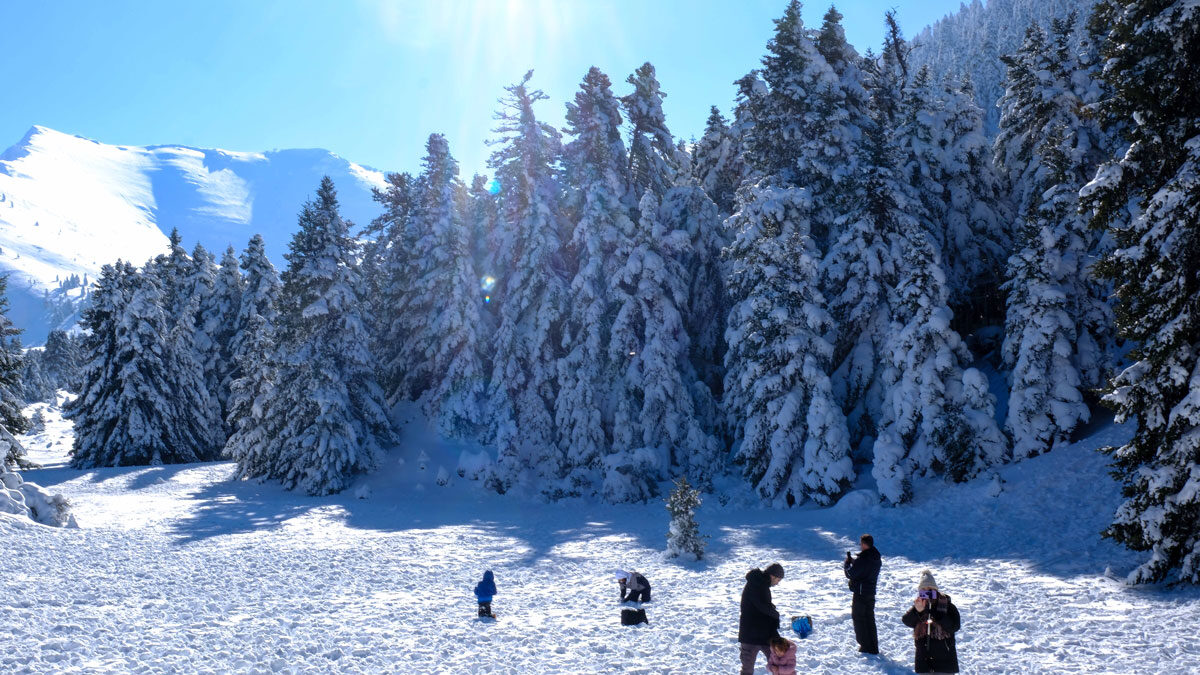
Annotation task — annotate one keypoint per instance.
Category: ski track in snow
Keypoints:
(176, 569)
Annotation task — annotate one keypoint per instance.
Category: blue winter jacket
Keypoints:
(485, 589)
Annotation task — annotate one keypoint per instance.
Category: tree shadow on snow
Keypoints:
(146, 475)
(236, 507)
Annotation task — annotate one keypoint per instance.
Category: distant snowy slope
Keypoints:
(972, 40)
(68, 205)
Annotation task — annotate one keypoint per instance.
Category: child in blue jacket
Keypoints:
(484, 590)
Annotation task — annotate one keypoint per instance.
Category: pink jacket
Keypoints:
(782, 665)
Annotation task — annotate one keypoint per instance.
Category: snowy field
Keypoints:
(176, 569)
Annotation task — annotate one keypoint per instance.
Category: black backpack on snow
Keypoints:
(632, 617)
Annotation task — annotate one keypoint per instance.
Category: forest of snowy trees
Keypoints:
(828, 283)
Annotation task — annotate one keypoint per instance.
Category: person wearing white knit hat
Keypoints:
(934, 620)
(633, 585)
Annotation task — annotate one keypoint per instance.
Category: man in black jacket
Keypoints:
(759, 620)
(863, 572)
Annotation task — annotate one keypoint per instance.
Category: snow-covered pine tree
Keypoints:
(853, 80)
(598, 202)
(1152, 58)
(201, 318)
(749, 104)
(35, 386)
(683, 535)
(196, 411)
(442, 304)
(482, 214)
(98, 382)
(889, 73)
(1048, 90)
(12, 420)
(1046, 403)
(130, 411)
(387, 269)
(222, 316)
(861, 267)
(61, 361)
(531, 292)
(803, 132)
(331, 413)
(925, 427)
(717, 163)
(172, 269)
(653, 159)
(687, 208)
(656, 424)
(976, 217)
(788, 430)
(252, 348)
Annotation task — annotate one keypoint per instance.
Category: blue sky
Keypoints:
(370, 79)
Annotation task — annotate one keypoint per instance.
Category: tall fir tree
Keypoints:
(859, 271)
(531, 292)
(443, 343)
(926, 427)
(975, 215)
(91, 410)
(717, 162)
(654, 162)
(688, 210)
(1046, 403)
(329, 407)
(252, 348)
(388, 267)
(12, 420)
(656, 425)
(172, 269)
(1048, 90)
(1149, 199)
(138, 405)
(599, 203)
(789, 432)
(804, 132)
(225, 308)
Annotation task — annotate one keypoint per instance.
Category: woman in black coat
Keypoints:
(934, 620)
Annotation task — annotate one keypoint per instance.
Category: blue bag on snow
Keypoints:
(802, 625)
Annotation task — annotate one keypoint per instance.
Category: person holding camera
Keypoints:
(934, 620)
(863, 572)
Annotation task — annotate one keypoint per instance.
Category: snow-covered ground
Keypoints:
(177, 569)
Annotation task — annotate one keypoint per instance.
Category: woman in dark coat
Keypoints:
(934, 620)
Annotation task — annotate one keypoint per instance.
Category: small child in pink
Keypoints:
(782, 657)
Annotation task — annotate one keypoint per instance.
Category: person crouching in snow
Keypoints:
(782, 659)
(634, 586)
(484, 591)
(934, 620)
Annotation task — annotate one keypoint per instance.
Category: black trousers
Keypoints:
(862, 611)
(485, 609)
(638, 596)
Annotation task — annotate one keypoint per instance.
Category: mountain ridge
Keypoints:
(70, 204)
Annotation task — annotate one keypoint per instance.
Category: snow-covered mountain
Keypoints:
(69, 205)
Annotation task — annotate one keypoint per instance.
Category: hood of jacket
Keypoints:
(757, 576)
